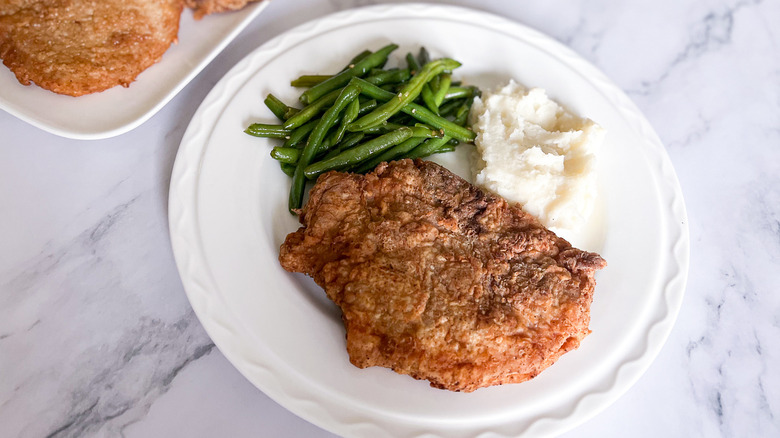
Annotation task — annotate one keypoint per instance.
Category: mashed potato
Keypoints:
(535, 152)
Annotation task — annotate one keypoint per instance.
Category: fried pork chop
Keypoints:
(201, 8)
(77, 47)
(440, 280)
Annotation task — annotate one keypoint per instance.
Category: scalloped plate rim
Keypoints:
(589, 405)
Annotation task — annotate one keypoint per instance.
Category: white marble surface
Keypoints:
(97, 337)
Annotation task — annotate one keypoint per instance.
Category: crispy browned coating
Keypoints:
(201, 8)
(77, 47)
(440, 280)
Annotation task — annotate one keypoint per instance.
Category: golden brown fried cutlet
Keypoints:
(440, 280)
(76, 47)
(201, 8)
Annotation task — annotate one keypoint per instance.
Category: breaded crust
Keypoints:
(76, 47)
(440, 280)
(201, 8)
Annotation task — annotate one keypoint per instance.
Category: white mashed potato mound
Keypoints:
(535, 152)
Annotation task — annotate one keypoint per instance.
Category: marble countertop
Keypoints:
(97, 337)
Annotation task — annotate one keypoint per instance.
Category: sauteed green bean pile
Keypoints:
(366, 114)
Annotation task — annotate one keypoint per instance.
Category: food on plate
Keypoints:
(201, 8)
(78, 47)
(535, 152)
(440, 280)
(367, 114)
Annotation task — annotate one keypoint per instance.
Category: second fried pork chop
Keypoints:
(202, 8)
(440, 280)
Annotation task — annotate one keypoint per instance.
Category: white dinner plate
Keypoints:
(118, 109)
(228, 216)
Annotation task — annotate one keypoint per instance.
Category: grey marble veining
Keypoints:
(97, 337)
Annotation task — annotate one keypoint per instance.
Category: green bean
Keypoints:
(423, 57)
(461, 116)
(276, 106)
(297, 186)
(402, 119)
(429, 147)
(308, 112)
(312, 80)
(384, 128)
(435, 83)
(290, 112)
(359, 57)
(300, 133)
(352, 111)
(408, 93)
(425, 132)
(459, 93)
(306, 81)
(286, 155)
(426, 126)
(443, 149)
(429, 99)
(346, 95)
(393, 76)
(390, 154)
(359, 153)
(450, 107)
(367, 106)
(419, 129)
(350, 114)
(427, 93)
(323, 147)
(288, 169)
(349, 141)
(411, 61)
(270, 131)
(360, 68)
(441, 88)
(450, 128)
(418, 112)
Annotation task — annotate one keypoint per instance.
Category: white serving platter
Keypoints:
(228, 216)
(118, 110)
